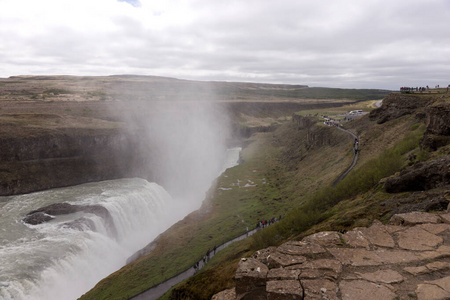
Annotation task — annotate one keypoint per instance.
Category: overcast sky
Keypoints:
(332, 43)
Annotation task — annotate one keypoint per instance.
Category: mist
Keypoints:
(183, 142)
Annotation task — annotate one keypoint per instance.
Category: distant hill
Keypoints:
(154, 88)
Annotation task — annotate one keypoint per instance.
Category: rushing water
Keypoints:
(56, 261)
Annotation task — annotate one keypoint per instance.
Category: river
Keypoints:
(56, 260)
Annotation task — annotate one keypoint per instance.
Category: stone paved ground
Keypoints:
(409, 258)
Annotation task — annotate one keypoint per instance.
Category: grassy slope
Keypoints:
(355, 202)
(292, 179)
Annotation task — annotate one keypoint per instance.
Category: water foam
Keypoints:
(55, 261)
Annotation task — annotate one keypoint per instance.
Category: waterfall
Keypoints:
(54, 260)
(65, 257)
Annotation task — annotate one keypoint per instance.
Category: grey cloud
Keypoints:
(336, 43)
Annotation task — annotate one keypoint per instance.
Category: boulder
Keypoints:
(37, 218)
(47, 213)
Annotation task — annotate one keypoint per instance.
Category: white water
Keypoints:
(54, 261)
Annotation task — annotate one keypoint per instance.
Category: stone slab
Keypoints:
(431, 292)
(324, 238)
(362, 257)
(355, 238)
(300, 248)
(283, 274)
(435, 228)
(277, 259)
(415, 238)
(414, 218)
(324, 264)
(417, 270)
(361, 289)
(443, 283)
(284, 289)
(378, 235)
(382, 276)
(320, 289)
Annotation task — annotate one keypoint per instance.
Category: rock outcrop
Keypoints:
(405, 259)
(398, 105)
(422, 176)
(47, 213)
(438, 126)
(302, 122)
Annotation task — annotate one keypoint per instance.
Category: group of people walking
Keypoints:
(205, 259)
(211, 252)
(407, 90)
(264, 223)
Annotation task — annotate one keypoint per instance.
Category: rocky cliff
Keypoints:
(434, 110)
(68, 157)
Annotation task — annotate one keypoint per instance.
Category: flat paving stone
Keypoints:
(320, 289)
(324, 238)
(415, 238)
(278, 259)
(355, 238)
(363, 257)
(300, 248)
(324, 264)
(284, 289)
(382, 276)
(436, 266)
(444, 283)
(435, 228)
(378, 235)
(431, 292)
(283, 274)
(361, 289)
(417, 270)
(414, 218)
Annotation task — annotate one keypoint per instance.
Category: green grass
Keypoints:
(359, 181)
(310, 93)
